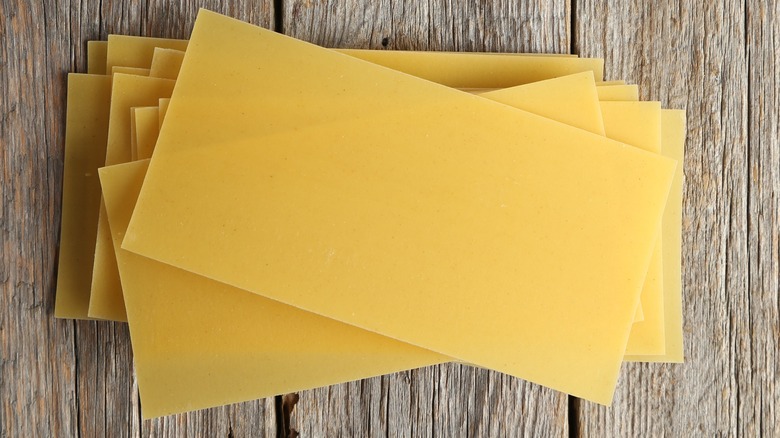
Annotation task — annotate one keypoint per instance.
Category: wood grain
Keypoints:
(698, 56)
(718, 60)
(65, 378)
(445, 400)
(486, 26)
(37, 356)
(759, 367)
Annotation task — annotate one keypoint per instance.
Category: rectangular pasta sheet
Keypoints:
(318, 207)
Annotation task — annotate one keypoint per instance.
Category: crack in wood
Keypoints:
(285, 404)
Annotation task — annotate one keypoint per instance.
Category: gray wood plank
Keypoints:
(692, 55)
(167, 19)
(446, 400)
(759, 365)
(490, 26)
(65, 378)
(249, 419)
(37, 355)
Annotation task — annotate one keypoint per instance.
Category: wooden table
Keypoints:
(718, 60)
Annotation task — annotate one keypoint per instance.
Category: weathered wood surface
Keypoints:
(492, 26)
(718, 60)
(64, 378)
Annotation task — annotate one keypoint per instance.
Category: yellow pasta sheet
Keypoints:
(86, 129)
(128, 91)
(406, 233)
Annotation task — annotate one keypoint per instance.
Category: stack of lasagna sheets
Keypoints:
(271, 216)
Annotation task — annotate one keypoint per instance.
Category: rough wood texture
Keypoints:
(759, 372)
(446, 400)
(65, 378)
(705, 57)
(37, 354)
(489, 26)
(719, 60)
